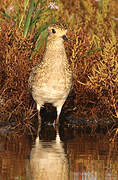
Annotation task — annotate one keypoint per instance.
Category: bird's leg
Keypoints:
(58, 114)
(39, 118)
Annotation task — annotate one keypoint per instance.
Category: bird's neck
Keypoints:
(55, 52)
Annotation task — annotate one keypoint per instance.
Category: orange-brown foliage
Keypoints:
(15, 98)
(90, 31)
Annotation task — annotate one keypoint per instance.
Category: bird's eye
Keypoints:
(53, 31)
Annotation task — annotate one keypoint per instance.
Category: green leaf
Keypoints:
(35, 19)
(53, 20)
(40, 29)
(100, 4)
(26, 2)
(40, 41)
(28, 18)
(41, 38)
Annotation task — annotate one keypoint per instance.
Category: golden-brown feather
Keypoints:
(51, 80)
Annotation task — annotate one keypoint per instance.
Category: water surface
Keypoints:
(58, 154)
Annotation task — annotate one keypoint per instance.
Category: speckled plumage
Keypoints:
(51, 80)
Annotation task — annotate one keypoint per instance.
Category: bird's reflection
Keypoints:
(48, 160)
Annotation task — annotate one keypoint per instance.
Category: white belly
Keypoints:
(50, 94)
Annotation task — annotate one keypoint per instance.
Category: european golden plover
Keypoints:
(50, 81)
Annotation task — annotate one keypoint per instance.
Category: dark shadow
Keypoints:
(47, 133)
(48, 114)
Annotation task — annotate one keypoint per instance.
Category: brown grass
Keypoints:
(93, 54)
(16, 102)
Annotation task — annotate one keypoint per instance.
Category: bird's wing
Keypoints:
(33, 73)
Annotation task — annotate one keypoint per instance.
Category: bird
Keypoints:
(50, 80)
(48, 160)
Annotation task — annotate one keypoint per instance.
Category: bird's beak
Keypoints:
(65, 38)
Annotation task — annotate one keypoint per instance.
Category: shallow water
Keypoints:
(64, 154)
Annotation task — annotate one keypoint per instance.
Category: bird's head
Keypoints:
(57, 31)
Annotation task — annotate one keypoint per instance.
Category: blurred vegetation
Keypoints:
(92, 51)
